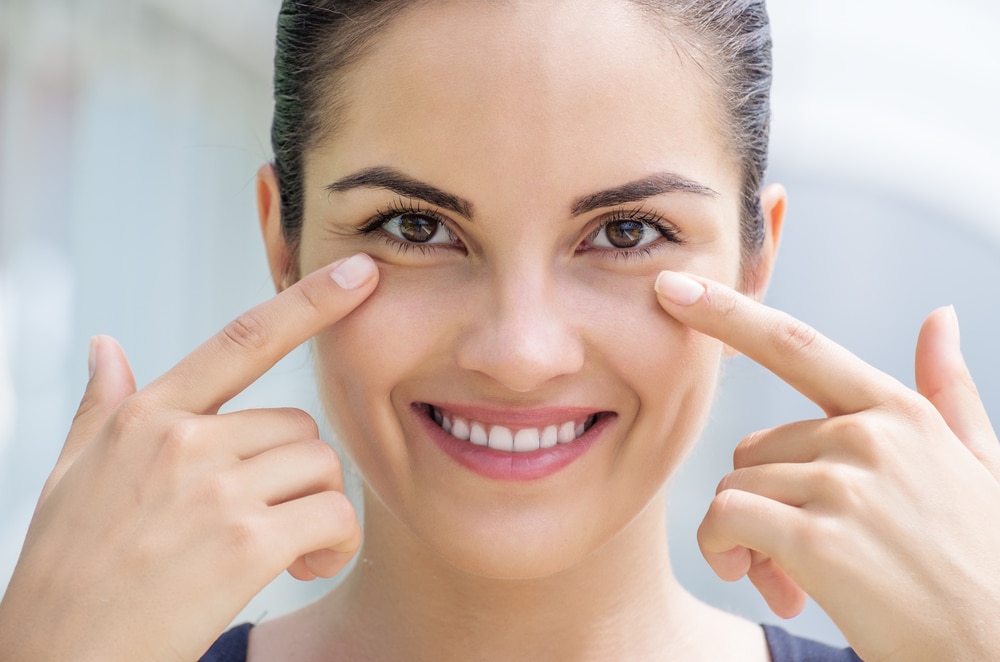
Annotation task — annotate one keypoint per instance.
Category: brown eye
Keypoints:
(418, 229)
(624, 234)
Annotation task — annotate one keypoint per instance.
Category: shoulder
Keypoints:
(230, 647)
(785, 647)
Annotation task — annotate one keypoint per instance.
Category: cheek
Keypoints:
(669, 370)
(401, 331)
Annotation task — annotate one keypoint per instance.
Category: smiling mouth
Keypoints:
(507, 438)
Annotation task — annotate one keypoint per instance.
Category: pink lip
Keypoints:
(499, 465)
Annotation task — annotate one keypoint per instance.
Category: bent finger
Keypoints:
(785, 598)
(793, 484)
(251, 432)
(292, 471)
(796, 442)
(744, 520)
(323, 521)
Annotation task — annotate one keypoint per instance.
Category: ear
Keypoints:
(279, 255)
(773, 202)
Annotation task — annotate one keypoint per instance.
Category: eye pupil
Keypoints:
(625, 234)
(415, 228)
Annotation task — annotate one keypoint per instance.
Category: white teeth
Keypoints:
(550, 437)
(501, 439)
(460, 429)
(567, 432)
(526, 441)
(477, 435)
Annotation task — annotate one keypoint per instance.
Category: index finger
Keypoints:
(815, 366)
(251, 344)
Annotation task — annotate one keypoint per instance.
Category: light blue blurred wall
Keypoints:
(130, 131)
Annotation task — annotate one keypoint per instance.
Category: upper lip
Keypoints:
(534, 417)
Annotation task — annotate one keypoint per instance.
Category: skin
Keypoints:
(162, 518)
(520, 320)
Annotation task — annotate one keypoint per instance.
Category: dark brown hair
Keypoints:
(318, 40)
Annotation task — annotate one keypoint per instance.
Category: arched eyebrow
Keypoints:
(641, 189)
(635, 191)
(398, 182)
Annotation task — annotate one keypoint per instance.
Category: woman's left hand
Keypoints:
(886, 512)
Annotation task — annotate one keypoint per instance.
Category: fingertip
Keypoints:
(355, 271)
(678, 289)
(731, 565)
(92, 352)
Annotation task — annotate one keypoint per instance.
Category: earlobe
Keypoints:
(279, 255)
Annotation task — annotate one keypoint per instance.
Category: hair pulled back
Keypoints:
(318, 40)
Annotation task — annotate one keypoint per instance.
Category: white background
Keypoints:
(130, 131)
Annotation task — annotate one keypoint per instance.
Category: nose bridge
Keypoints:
(522, 334)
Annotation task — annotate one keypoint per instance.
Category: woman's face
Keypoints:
(520, 172)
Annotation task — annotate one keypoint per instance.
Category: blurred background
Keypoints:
(131, 130)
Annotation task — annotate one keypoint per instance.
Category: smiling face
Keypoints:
(520, 172)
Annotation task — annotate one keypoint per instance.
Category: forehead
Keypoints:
(549, 98)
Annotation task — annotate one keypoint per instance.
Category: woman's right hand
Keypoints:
(163, 518)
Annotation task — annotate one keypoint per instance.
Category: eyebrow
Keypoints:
(641, 189)
(394, 180)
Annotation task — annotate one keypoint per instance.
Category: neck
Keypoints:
(401, 601)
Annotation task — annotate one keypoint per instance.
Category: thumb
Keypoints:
(111, 381)
(943, 378)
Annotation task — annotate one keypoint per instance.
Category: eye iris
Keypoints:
(416, 228)
(625, 234)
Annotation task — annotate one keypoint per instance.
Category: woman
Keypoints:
(522, 236)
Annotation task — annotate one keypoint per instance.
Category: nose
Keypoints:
(521, 334)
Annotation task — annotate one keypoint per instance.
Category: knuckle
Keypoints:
(250, 331)
(819, 538)
(181, 433)
(309, 295)
(840, 486)
(795, 337)
(244, 535)
(914, 408)
(135, 412)
(220, 489)
(724, 505)
(340, 510)
(747, 450)
(726, 304)
(731, 481)
(323, 455)
(301, 421)
(866, 437)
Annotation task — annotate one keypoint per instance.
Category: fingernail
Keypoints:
(956, 329)
(92, 356)
(353, 272)
(678, 289)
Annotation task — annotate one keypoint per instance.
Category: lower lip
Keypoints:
(499, 465)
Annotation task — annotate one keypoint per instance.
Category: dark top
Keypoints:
(784, 647)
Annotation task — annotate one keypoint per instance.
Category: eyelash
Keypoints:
(373, 228)
(667, 230)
